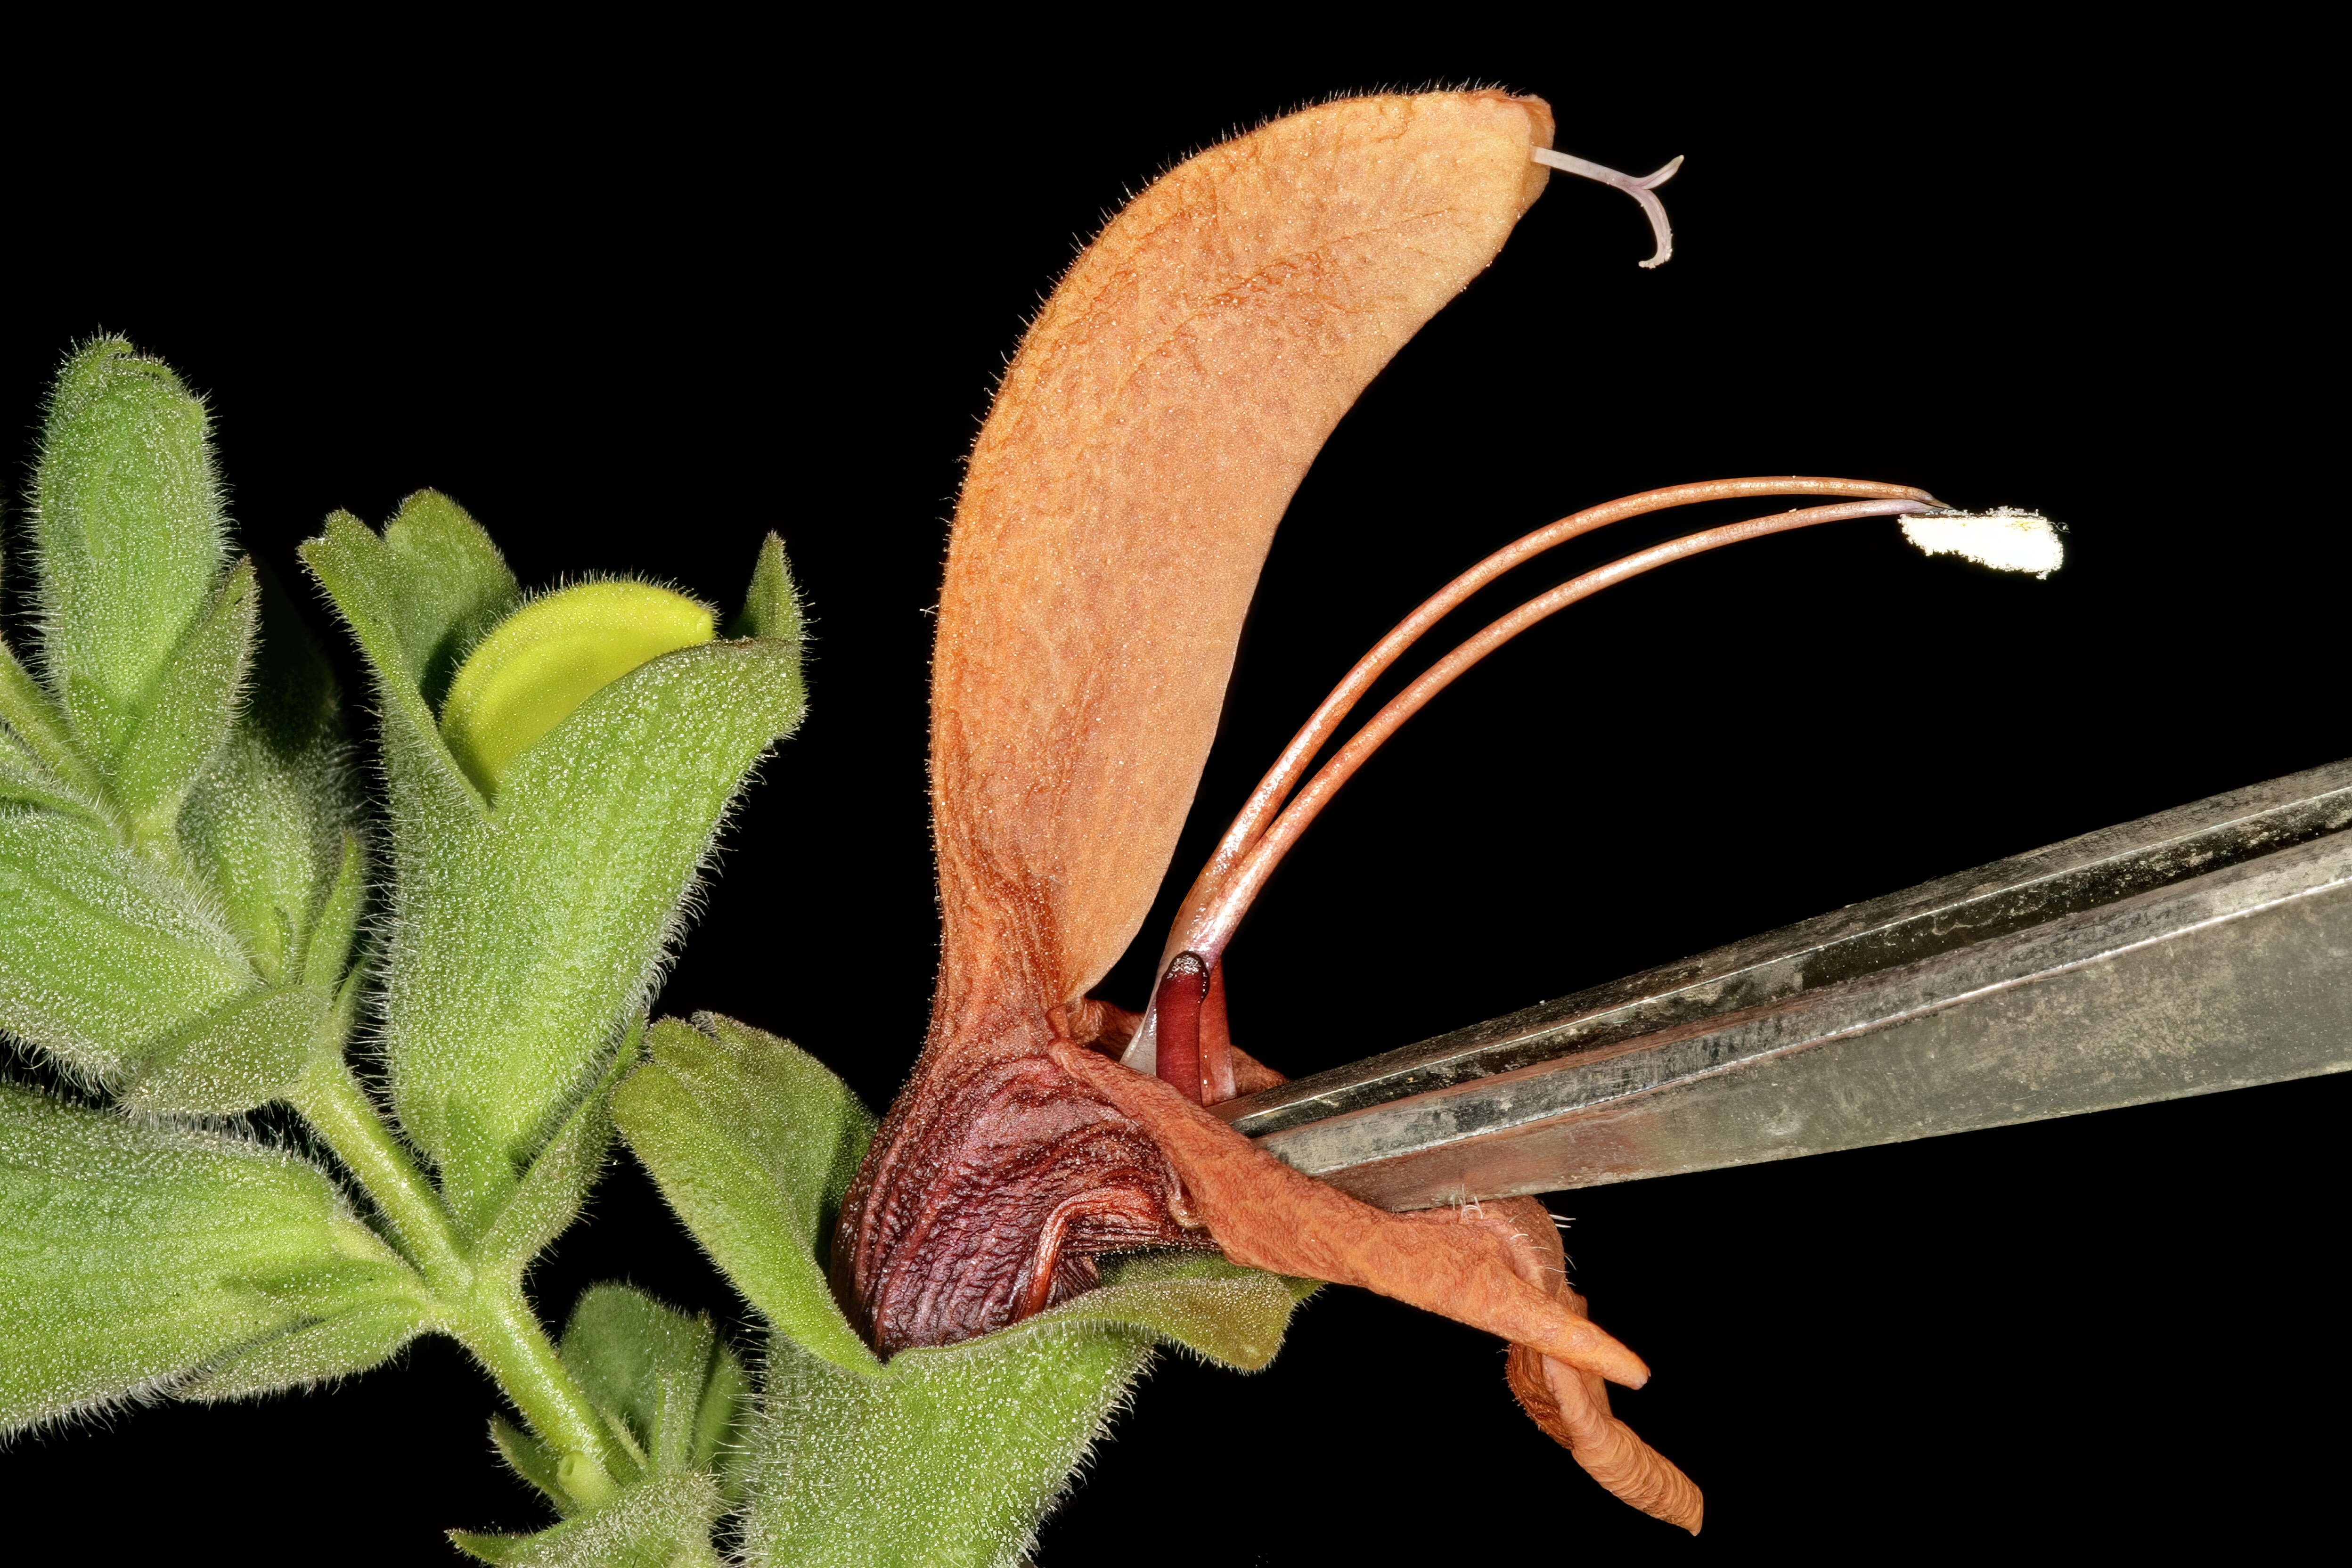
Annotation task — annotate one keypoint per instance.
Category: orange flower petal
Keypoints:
(1572, 1405)
(1266, 1215)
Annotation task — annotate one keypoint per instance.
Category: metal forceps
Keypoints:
(2204, 947)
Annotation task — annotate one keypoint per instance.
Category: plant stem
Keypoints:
(332, 1101)
(485, 1312)
(505, 1336)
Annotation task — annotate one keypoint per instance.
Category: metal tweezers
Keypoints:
(2204, 947)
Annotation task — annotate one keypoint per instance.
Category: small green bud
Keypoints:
(548, 657)
(128, 532)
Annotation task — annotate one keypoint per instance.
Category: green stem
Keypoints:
(332, 1101)
(485, 1312)
(505, 1336)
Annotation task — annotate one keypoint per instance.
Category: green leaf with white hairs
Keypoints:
(24, 782)
(772, 608)
(664, 1522)
(330, 945)
(34, 723)
(188, 713)
(102, 952)
(419, 595)
(943, 1456)
(128, 536)
(669, 1382)
(953, 1456)
(247, 1054)
(534, 1460)
(953, 1459)
(519, 944)
(549, 1195)
(365, 1330)
(416, 597)
(753, 1142)
(257, 1047)
(268, 826)
(27, 781)
(523, 936)
(136, 1258)
(122, 968)
(1218, 1311)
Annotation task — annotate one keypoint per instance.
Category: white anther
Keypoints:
(2004, 539)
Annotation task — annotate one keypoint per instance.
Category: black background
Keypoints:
(635, 302)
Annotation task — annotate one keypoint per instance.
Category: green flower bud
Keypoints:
(548, 657)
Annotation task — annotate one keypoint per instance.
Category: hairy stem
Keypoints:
(332, 1101)
(485, 1311)
(506, 1337)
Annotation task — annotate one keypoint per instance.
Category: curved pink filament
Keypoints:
(1251, 823)
(1215, 907)
(1215, 924)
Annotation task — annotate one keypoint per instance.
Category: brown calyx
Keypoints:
(998, 1179)
(988, 1194)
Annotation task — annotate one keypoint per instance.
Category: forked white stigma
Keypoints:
(1640, 188)
(2004, 539)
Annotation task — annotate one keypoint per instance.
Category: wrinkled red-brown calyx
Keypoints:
(991, 1189)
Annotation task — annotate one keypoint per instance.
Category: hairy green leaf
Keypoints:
(102, 954)
(947, 1455)
(549, 1195)
(27, 781)
(419, 595)
(416, 597)
(257, 1048)
(24, 782)
(754, 1142)
(667, 1381)
(534, 1460)
(773, 607)
(953, 1456)
(327, 947)
(188, 713)
(129, 535)
(664, 1522)
(519, 944)
(134, 1259)
(268, 826)
(28, 716)
(522, 937)
(248, 1053)
(1219, 1311)
(365, 1330)
(950, 1459)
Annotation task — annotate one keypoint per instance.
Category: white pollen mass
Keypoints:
(2004, 539)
